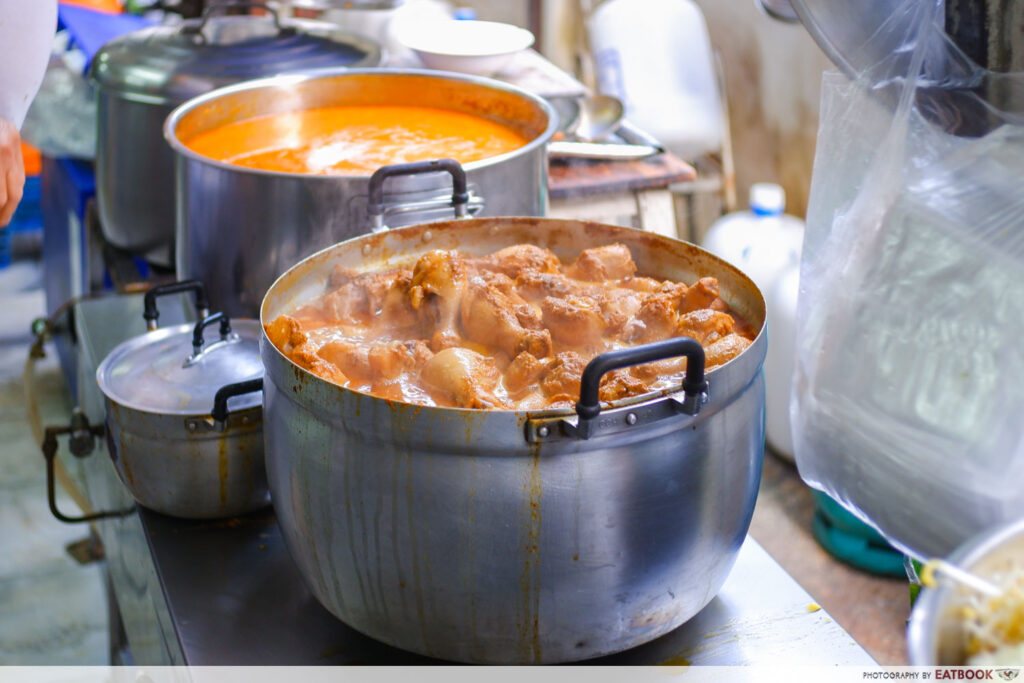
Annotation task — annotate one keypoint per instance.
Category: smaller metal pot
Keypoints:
(174, 442)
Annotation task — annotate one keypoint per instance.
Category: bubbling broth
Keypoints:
(355, 140)
(510, 330)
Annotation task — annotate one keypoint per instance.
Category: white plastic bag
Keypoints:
(908, 402)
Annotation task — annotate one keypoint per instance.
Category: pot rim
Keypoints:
(372, 50)
(416, 408)
(294, 78)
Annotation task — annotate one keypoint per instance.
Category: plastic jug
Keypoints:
(655, 56)
(765, 243)
(780, 363)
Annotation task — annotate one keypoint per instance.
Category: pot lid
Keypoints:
(172, 64)
(160, 372)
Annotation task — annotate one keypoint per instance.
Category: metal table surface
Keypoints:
(227, 592)
(235, 597)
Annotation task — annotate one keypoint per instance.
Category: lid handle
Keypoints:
(197, 29)
(150, 312)
(197, 334)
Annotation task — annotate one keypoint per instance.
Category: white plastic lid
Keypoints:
(767, 199)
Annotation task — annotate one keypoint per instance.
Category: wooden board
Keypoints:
(568, 178)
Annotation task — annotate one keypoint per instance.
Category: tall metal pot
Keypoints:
(240, 228)
(506, 536)
(142, 76)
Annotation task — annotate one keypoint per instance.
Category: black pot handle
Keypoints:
(81, 444)
(150, 312)
(375, 193)
(220, 400)
(695, 387)
(197, 333)
(197, 29)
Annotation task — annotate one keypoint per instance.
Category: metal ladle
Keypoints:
(584, 121)
(598, 117)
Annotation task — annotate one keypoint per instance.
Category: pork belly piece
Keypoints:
(464, 377)
(523, 372)
(560, 381)
(574, 320)
(534, 286)
(285, 333)
(704, 325)
(702, 294)
(656, 319)
(725, 349)
(618, 307)
(377, 298)
(493, 318)
(620, 384)
(383, 360)
(642, 284)
(436, 291)
(517, 259)
(600, 264)
(306, 356)
(660, 369)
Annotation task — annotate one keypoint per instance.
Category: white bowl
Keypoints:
(473, 47)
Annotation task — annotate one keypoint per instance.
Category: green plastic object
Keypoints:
(852, 541)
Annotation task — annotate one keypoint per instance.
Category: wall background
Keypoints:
(773, 83)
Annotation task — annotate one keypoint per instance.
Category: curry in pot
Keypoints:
(510, 330)
(355, 140)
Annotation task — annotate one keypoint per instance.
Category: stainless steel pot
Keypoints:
(175, 444)
(239, 228)
(144, 75)
(506, 536)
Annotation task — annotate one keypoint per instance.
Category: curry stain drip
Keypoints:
(354, 140)
(222, 469)
(529, 622)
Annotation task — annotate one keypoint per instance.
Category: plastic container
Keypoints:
(656, 56)
(780, 362)
(765, 243)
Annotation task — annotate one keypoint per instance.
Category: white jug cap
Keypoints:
(767, 199)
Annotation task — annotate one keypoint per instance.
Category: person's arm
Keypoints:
(26, 36)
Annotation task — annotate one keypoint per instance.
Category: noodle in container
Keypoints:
(952, 625)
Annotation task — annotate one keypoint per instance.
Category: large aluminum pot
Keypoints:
(504, 536)
(142, 76)
(239, 228)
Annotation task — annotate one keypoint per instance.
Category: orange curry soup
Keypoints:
(355, 140)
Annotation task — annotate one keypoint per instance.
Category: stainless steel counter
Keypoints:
(235, 597)
(227, 592)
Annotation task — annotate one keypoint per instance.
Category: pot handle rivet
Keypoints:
(631, 419)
